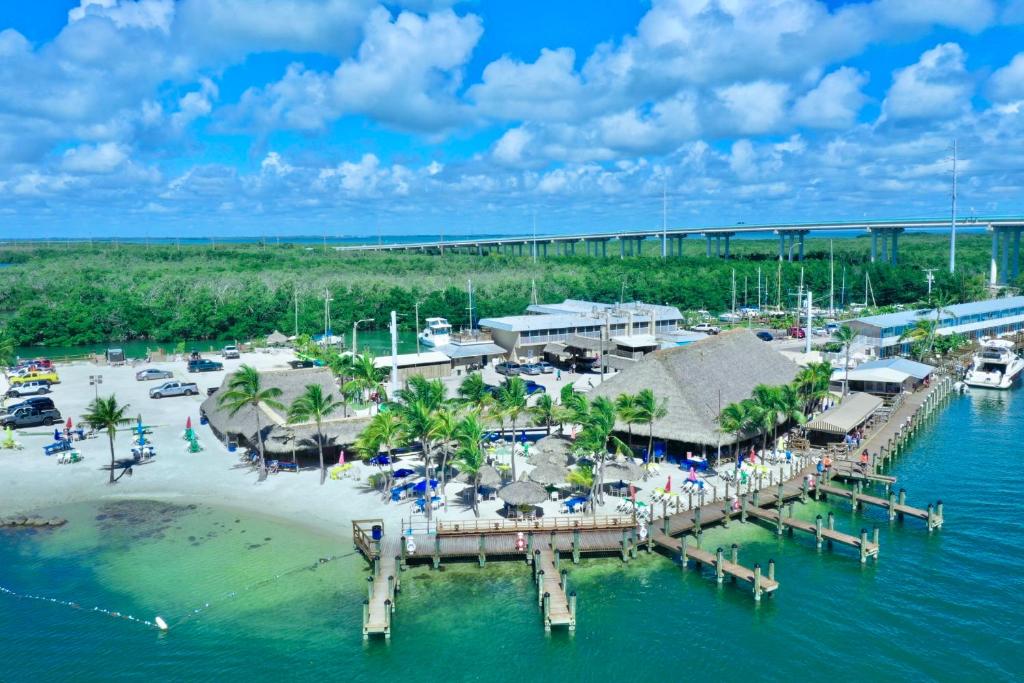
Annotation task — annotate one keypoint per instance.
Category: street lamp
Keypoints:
(95, 381)
(355, 339)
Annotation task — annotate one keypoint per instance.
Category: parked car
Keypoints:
(204, 365)
(765, 336)
(230, 351)
(34, 364)
(39, 386)
(175, 388)
(35, 376)
(153, 373)
(832, 327)
(301, 363)
(797, 332)
(508, 368)
(30, 417)
(546, 368)
(534, 388)
(530, 369)
(706, 328)
(37, 402)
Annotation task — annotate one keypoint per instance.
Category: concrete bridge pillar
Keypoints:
(800, 235)
(1015, 260)
(708, 250)
(727, 236)
(993, 273)
(874, 246)
(639, 246)
(1006, 254)
(622, 248)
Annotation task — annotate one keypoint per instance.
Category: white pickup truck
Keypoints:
(174, 388)
(230, 352)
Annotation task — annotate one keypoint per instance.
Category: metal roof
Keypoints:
(847, 415)
(580, 318)
(406, 360)
(471, 350)
(957, 310)
(910, 367)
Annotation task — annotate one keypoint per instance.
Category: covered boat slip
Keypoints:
(847, 416)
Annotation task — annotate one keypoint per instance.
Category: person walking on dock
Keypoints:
(865, 460)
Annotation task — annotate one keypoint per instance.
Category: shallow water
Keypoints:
(935, 607)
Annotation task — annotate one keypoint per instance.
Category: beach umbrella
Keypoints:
(489, 477)
(668, 484)
(555, 450)
(67, 425)
(341, 457)
(403, 473)
(523, 493)
(56, 435)
(548, 475)
(188, 422)
(421, 485)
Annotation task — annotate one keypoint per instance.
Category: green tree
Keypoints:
(582, 477)
(647, 410)
(735, 420)
(313, 405)
(470, 454)
(512, 403)
(625, 406)
(446, 424)
(7, 355)
(419, 419)
(597, 419)
(385, 429)
(812, 382)
(245, 389)
(366, 377)
(107, 414)
(474, 391)
(544, 412)
(845, 336)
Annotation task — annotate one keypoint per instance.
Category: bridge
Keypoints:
(884, 239)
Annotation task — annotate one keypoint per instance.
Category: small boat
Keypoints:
(437, 332)
(995, 366)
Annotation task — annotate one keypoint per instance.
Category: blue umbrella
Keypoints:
(522, 437)
(380, 460)
(404, 472)
(421, 486)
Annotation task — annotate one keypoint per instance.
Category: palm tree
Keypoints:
(646, 410)
(105, 413)
(924, 334)
(625, 406)
(582, 476)
(245, 389)
(791, 405)
(470, 454)
(418, 388)
(544, 412)
(845, 336)
(812, 382)
(598, 420)
(313, 405)
(921, 334)
(474, 390)
(769, 400)
(366, 376)
(446, 424)
(512, 403)
(419, 420)
(734, 419)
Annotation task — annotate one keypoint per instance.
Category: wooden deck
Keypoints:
(932, 515)
(866, 548)
(723, 567)
(555, 604)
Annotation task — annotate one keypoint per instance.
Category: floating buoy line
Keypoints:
(158, 622)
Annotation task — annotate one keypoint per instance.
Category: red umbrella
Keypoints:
(753, 456)
(188, 422)
(668, 485)
(68, 425)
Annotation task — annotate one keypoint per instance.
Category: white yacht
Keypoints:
(995, 366)
(437, 332)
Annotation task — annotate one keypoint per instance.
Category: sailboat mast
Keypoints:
(469, 289)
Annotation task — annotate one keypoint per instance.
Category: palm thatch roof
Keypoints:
(691, 378)
(624, 470)
(276, 338)
(523, 493)
(555, 450)
(489, 476)
(548, 474)
(279, 437)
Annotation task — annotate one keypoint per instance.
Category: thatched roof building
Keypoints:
(279, 437)
(690, 378)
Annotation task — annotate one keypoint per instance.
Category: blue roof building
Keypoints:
(975, 319)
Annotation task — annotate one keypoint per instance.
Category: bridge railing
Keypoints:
(498, 526)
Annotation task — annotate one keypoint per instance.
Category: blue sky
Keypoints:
(353, 117)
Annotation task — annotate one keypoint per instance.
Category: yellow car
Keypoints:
(39, 375)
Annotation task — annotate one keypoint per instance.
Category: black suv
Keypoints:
(204, 365)
(37, 402)
(30, 417)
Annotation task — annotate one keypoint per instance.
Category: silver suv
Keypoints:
(34, 388)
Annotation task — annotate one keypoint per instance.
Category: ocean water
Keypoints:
(248, 596)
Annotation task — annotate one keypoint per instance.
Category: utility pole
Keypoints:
(734, 291)
(929, 278)
(952, 219)
(295, 294)
(394, 369)
(535, 237)
(807, 332)
(417, 306)
(831, 281)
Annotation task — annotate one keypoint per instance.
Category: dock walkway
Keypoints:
(896, 508)
(558, 608)
(723, 567)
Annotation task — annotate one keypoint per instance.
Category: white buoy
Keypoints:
(161, 624)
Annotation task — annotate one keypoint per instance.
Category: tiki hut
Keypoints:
(275, 338)
(523, 493)
(696, 379)
(554, 450)
(622, 470)
(548, 474)
(280, 438)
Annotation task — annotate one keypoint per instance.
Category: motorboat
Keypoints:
(437, 332)
(995, 365)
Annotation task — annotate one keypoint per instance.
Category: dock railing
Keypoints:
(482, 526)
(362, 536)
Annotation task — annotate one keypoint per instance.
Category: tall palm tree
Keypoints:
(418, 388)
(845, 336)
(313, 405)
(245, 389)
(105, 413)
(625, 406)
(470, 454)
(446, 424)
(474, 390)
(921, 334)
(419, 420)
(769, 400)
(735, 420)
(597, 418)
(366, 376)
(647, 410)
(512, 403)
(813, 381)
(791, 405)
(544, 412)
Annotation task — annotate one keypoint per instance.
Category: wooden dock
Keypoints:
(896, 507)
(818, 530)
(558, 608)
(723, 567)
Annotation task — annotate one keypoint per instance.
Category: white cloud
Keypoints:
(936, 86)
(1007, 83)
(547, 89)
(510, 147)
(834, 102)
(752, 108)
(103, 158)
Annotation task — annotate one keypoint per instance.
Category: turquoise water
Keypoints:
(940, 607)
